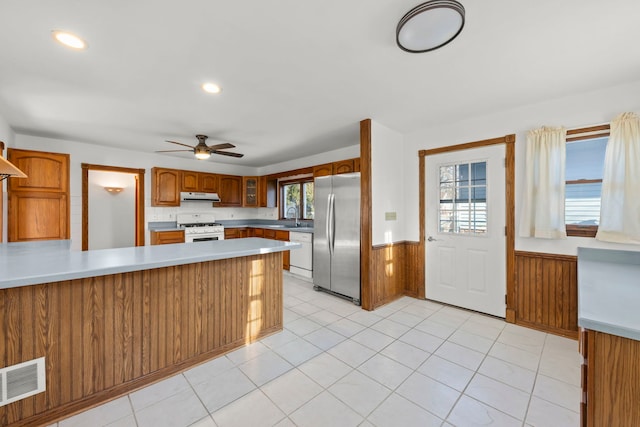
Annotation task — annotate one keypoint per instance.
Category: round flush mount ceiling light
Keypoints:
(430, 25)
(211, 88)
(68, 39)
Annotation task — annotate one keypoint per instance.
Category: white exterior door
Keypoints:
(465, 228)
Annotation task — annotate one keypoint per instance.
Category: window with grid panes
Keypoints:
(463, 199)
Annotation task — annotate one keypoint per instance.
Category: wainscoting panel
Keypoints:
(398, 270)
(547, 292)
(105, 336)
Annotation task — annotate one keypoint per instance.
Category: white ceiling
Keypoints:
(297, 75)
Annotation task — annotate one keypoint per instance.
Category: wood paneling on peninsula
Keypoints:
(106, 336)
(611, 380)
(547, 292)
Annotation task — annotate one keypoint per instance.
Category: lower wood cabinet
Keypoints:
(266, 233)
(38, 216)
(235, 233)
(167, 237)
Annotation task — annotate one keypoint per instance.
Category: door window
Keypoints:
(463, 198)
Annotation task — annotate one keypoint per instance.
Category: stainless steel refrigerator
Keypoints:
(336, 237)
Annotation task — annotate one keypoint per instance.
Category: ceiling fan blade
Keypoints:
(172, 151)
(227, 153)
(221, 146)
(179, 143)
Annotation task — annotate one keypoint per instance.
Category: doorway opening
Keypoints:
(112, 207)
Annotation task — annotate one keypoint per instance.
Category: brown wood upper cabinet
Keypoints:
(208, 182)
(190, 181)
(45, 171)
(323, 170)
(230, 190)
(165, 187)
(336, 168)
(343, 166)
(356, 164)
(267, 192)
(250, 191)
(199, 181)
(39, 205)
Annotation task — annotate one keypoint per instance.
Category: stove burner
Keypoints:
(202, 224)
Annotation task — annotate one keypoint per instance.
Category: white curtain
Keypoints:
(543, 209)
(620, 206)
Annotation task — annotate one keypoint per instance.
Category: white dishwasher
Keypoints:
(301, 260)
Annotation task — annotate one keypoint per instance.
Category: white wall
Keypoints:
(112, 216)
(595, 107)
(317, 159)
(387, 177)
(99, 155)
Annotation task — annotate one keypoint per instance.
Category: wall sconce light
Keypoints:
(114, 190)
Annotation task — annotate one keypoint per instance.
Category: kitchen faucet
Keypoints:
(295, 211)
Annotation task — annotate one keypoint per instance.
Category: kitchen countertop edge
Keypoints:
(60, 264)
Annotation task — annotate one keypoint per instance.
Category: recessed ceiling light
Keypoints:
(68, 39)
(211, 88)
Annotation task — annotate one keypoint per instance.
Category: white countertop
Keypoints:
(609, 291)
(32, 263)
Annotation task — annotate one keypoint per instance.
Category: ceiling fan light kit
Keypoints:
(430, 26)
(202, 151)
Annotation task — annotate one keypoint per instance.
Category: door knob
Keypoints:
(431, 239)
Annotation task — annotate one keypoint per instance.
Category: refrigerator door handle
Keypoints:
(332, 239)
(328, 224)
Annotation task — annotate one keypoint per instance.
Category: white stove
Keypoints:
(200, 227)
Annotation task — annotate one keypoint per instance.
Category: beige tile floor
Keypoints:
(410, 363)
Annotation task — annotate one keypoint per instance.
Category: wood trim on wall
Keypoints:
(366, 250)
(509, 141)
(546, 294)
(510, 218)
(139, 208)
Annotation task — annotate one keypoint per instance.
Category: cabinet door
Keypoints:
(230, 190)
(231, 233)
(343, 166)
(190, 181)
(286, 255)
(38, 216)
(258, 232)
(323, 170)
(209, 182)
(167, 237)
(250, 191)
(45, 171)
(165, 187)
(271, 192)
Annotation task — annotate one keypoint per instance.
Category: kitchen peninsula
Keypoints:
(110, 321)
